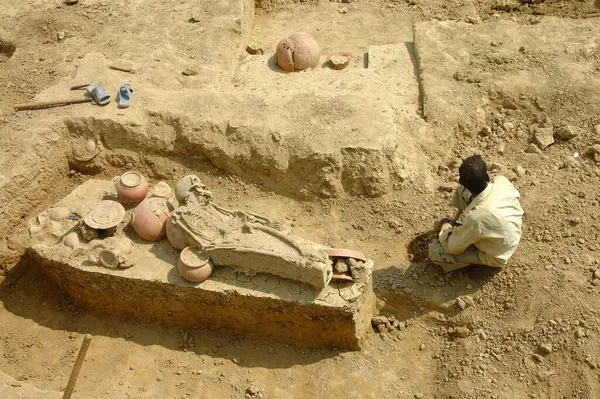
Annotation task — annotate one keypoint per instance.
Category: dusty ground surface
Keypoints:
(531, 330)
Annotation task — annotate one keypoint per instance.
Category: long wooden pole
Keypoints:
(55, 103)
(78, 363)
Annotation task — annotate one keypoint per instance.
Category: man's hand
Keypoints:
(445, 226)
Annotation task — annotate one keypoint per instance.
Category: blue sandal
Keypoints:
(98, 95)
(125, 96)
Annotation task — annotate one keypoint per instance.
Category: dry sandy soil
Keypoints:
(490, 80)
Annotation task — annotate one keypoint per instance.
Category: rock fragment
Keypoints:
(545, 349)
(566, 132)
(533, 149)
(462, 332)
(189, 72)
(543, 137)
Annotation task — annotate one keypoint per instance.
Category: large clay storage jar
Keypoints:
(132, 187)
(194, 265)
(297, 52)
(149, 218)
(176, 235)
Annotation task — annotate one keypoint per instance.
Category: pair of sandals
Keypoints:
(100, 97)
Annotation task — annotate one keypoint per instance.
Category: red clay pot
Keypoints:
(194, 266)
(149, 218)
(132, 187)
(176, 236)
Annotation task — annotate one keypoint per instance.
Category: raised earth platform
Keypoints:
(260, 305)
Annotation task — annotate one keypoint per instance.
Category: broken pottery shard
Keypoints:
(248, 242)
(254, 49)
(543, 137)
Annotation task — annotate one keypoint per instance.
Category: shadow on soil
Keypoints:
(423, 286)
(28, 293)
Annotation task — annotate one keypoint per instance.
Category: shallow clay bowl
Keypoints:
(105, 215)
(339, 59)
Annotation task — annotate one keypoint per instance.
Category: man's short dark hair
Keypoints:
(473, 174)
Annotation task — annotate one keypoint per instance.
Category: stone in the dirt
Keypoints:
(538, 358)
(506, 5)
(545, 349)
(448, 187)
(71, 2)
(254, 392)
(597, 274)
(594, 152)
(61, 36)
(520, 171)
(379, 320)
(464, 302)
(501, 147)
(189, 72)
(343, 10)
(566, 132)
(340, 266)
(579, 333)
(508, 126)
(533, 149)
(543, 137)
(462, 332)
(194, 18)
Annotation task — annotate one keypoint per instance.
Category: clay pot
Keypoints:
(149, 218)
(339, 60)
(297, 52)
(194, 265)
(176, 236)
(132, 187)
(109, 257)
(71, 240)
(85, 151)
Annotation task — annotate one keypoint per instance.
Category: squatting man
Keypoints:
(491, 228)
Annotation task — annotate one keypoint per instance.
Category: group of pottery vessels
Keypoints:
(300, 51)
(206, 233)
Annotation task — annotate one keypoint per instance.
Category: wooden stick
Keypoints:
(79, 86)
(78, 363)
(55, 103)
(122, 69)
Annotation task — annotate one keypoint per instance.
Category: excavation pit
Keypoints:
(257, 305)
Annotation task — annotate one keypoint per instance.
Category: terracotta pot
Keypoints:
(132, 187)
(297, 52)
(339, 60)
(176, 236)
(149, 218)
(194, 265)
